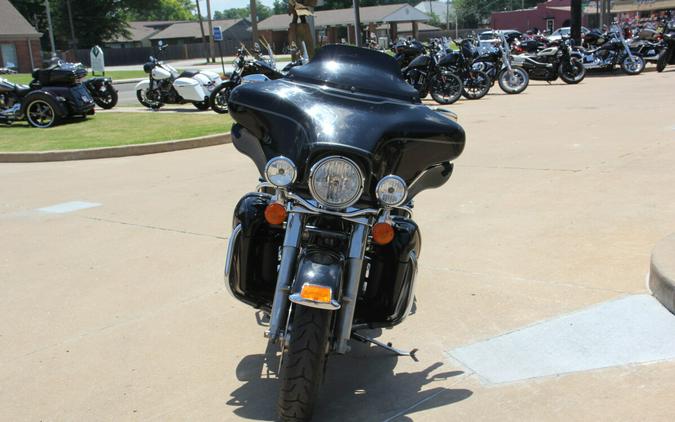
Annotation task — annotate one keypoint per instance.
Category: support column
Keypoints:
(415, 30)
(350, 34)
(393, 29)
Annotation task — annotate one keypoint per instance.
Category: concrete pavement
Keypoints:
(118, 312)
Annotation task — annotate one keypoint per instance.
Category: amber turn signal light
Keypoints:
(383, 233)
(275, 213)
(316, 293)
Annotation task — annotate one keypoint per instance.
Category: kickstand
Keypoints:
(386, 346)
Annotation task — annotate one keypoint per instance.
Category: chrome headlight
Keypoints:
(336, 182)
(391, 191)
(280, 171)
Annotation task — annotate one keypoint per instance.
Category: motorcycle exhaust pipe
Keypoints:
(289, 255)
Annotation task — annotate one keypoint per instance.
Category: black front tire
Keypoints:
(515, 85)
(202, 106)
(107, 99)
(662, 62)
(572, 73)
(143, 99)
(446, 88)
(219, 97)
(633, 68)
(476, 85)
(303, 363)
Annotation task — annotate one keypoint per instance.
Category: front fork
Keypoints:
(354, 264)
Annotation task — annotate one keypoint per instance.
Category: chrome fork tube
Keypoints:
(289, 255)
(357, 249)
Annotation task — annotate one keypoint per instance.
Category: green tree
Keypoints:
(167, 10)
(472, 13)
(280, 7)
(263, 12)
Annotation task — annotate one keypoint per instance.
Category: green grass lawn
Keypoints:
(25, 78)
(113, 129)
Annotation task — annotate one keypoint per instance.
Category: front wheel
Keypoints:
(202, 105)
(303, 363)
(662, 62)
(107, 98)
(219, 96)
(634, 66)
(513, 82)
(476, 85)
(572, 72)
(446, 88)
(142, 95)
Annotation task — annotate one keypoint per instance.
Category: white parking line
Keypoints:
(67, 207)
(629, 330)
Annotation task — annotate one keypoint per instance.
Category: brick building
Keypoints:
(547, 16)
(19, 41)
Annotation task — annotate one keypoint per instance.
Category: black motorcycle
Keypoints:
(551, 63)
(406, 51)
(497, 63)
(54, 94)
(327, 247)
(667, 55)
(243, 67)
(476, 82)
(426, 76)
(609, 49)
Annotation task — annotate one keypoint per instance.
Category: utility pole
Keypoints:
(447, 15)
(254, 20)
(357, 22)
(575, 10)
(73, 40)
(212, 48)
(201, 26)
(51, 28)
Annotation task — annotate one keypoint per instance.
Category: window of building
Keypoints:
(9, 56)
(550, 25)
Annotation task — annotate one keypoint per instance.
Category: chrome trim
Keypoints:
(264, 185)
(298, 300)
(285, 274)
(451, 115)
(311, 209)
(230, 254)
(357, 250)
(362, 181)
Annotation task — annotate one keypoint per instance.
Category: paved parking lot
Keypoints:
(113, 307)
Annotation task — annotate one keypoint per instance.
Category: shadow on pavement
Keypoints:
(359, 386)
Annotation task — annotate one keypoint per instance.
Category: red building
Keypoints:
(547, 16)
(19, 41)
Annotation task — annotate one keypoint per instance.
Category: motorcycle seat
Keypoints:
(187, 74)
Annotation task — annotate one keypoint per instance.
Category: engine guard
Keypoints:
(318, 267)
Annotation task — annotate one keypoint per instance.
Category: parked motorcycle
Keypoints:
(426, 75)
(406, 51)
(243, 67)
(556, 61)
(476, 82)
(166, 86)
(647, 44)
(667, 55)
(54, 94)
(608, 50)
(102, 91)
(327, 247)
(496, 62)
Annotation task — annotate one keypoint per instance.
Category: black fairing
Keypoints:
(347, 101)
(420, 61)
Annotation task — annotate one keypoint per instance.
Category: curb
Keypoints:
(662, 272)
(127, 81)
(113, 152)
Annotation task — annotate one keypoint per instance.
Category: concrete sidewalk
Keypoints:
(114, 307)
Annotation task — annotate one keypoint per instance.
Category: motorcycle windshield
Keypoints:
(346, 101)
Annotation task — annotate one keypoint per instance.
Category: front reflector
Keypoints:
(316, 293)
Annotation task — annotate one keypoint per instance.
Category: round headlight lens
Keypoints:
(280, 171)
(391, 191)
(336, 182)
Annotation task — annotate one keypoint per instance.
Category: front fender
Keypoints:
(144, 84)
(318, 267)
